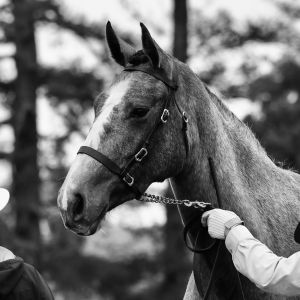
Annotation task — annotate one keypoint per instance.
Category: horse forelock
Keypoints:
(138, 58)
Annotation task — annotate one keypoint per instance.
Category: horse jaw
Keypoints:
(97, 194)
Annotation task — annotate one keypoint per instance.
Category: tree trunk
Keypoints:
(180, 30)
(25, 159)
(176, 265)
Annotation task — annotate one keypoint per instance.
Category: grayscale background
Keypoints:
(52, 68)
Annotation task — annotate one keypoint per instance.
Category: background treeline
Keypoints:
(257, 59)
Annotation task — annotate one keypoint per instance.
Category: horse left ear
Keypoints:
(151, 48)
(119, 49)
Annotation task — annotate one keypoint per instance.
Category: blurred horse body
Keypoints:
(265, 196)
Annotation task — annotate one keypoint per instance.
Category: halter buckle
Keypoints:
(165, 115)
(128, 179)
(141, 154)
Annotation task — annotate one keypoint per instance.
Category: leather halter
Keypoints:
(124, 173)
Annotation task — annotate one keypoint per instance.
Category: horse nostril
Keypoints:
(78, 208)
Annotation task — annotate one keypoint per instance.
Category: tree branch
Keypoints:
(6, 56)
(6, 122)
(5, 155)
(6, 7)
(65, 84)
(6, 87)
(50, 13)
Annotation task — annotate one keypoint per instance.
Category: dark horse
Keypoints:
(264, 195)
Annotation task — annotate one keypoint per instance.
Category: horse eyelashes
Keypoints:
(139, 112)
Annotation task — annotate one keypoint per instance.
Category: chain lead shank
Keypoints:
(165, 200)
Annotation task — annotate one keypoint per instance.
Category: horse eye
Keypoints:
(139, 112)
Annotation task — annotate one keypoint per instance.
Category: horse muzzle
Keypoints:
(83, 227)
(78, 216)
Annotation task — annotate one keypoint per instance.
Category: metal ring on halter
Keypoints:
(128, 179)
(165, 115)
(184, 117)
(141, 154)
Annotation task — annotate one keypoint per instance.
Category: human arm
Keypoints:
(271, 273)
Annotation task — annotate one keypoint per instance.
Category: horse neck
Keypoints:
(250, 183)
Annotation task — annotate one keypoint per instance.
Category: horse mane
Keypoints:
(243, 127)
(220, 104)
(246, 131)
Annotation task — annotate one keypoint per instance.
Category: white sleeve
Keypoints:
(271, 273)
(5, 254)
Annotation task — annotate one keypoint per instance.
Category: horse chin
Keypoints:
(93, 227)
(87, 228)
(91, 230)
(97, 224)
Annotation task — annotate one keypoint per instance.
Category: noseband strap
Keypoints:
(101, 158)
(110, 165)
(142, 152)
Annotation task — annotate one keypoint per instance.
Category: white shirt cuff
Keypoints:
(235, 236)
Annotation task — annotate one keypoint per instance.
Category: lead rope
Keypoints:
(218, 242)
(203, 206)
(214, 177)
(214, 243)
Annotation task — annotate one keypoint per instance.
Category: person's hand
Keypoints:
(5, 254)
(216, 219)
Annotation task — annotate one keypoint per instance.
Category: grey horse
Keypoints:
(265, 196)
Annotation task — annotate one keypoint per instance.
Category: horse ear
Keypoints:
(119, 49)
(151, 49)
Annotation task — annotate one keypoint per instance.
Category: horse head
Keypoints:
(138, 124)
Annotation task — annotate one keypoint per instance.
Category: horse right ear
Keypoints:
(119, 49)
(156, 55)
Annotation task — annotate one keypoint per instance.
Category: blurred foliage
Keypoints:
(279, 127)
(277, 90)
(70, 90)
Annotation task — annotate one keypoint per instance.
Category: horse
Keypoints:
(264, 195)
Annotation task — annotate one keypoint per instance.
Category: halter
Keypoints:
(125, 172)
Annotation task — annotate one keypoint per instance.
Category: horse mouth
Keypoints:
(97, 223)
(86, 229)
(87, 226)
